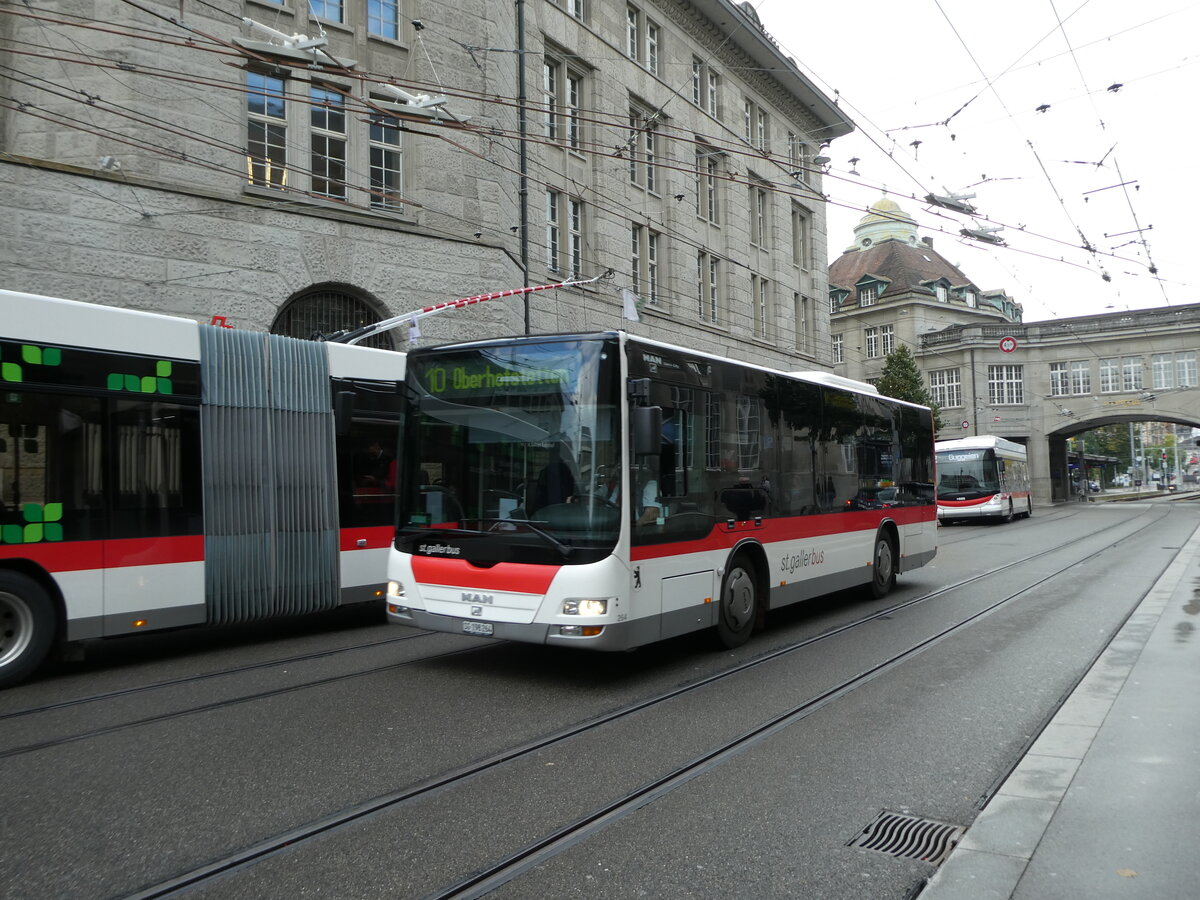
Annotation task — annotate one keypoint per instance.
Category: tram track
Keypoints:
(582, 827)
(226, 703)
(205, 676)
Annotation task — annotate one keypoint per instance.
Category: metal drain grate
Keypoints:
(910, 837)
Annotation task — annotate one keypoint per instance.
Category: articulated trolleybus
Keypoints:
(983, 477)
(156, 473)
(606, 491)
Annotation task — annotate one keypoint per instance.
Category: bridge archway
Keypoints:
(1056, 459)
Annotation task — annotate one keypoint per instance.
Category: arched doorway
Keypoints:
(327, 309)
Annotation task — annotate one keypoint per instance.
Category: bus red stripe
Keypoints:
(795, 528)
(376, 536)
(516, 577)
(76, 556)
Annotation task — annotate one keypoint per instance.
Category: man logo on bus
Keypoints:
(477, 598)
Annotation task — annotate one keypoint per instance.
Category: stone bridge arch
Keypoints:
(1053, 458)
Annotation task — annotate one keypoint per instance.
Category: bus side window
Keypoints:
(52, 472)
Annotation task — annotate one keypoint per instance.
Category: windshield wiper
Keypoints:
(564, 549)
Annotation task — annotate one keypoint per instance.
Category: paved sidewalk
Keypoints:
(1107, 801)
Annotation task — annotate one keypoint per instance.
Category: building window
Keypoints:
(383, 18)
(887, 335)
(1006, 385)
(1060, 380)
(643, 149)
(838, 348)
(562, 94)
(387, 169)
(1162, 371)
(550, 70)
(969, 298)
(266, 137)
(577, 9)
(835, 303)
(644, 262)
(1171, 370)
(800, 307)
(868, 294)
(1081, 377)
(326, 9)
(704, 86)
(801, 237)
(316, 313)
(708, 287)
(633, 31)
(1131, 373)
(871, 340)
(552, 231)
(575, 236)
(800, 157)
(1110, 376)
(760, 214)
(328, 142)
(1185, 369)
(761, 294)
(945, 387)
(942, 294)
(652, 42)
(755, 125)
(708, 162)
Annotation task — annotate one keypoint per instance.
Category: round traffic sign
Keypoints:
(1008, 344)
(966, 424)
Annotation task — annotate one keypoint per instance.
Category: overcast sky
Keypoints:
(966, 79)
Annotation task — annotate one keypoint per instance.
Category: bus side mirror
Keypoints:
(646, 425)
(343, 412)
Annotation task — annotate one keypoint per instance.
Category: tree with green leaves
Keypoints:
(902, 379)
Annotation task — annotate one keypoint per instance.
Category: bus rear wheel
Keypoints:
(883, 566)
(26, 626)
(738, 603)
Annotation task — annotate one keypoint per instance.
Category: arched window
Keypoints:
(327, 309)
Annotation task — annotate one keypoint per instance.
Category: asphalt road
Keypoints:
(344, 757)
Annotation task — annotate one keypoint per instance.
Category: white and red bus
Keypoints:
(984, 477)
(156, 473)
(605, 491)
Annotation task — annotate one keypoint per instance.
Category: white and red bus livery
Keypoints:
(984, 477)
(156, 473)
(605, 491)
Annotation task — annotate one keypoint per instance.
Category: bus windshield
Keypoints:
(517, 443)
(966, 474)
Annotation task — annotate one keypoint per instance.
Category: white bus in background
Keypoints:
(602, 491)
(984, 477)
(156, 473)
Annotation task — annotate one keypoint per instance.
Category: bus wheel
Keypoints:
(1008, 517)
(1029, 508)
(883, 568)
(26, 626)
(738, 604)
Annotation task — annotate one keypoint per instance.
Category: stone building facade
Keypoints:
(304, 166)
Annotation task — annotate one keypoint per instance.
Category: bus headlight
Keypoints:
(585, 606)
(395, 590)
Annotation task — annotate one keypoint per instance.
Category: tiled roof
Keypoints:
(904, 266)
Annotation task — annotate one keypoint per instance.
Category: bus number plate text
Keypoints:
(484, 628)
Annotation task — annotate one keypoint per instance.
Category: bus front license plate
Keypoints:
(477, 628)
